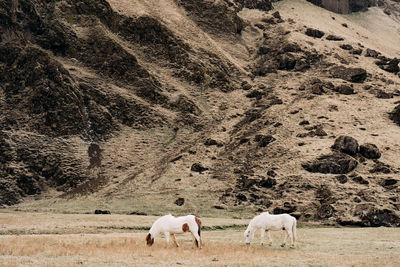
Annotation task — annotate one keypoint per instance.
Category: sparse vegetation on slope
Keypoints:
(230, 107)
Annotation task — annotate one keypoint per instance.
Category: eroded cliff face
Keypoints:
(390, 7)
(344, 6)
(224, 104)
(43, 42)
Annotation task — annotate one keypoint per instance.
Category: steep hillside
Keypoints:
(200, 106)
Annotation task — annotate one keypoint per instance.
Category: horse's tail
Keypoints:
(198, 222)
(294, 229)
(198, 225)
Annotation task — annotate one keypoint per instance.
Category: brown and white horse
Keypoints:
(170, 225)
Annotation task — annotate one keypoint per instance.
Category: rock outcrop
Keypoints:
(336, 163)
(343, 6)
(356, 75)
(370, 151)
(395, 115)
(346, 144)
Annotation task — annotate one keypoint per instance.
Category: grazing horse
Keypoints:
(170, 225)
(265, 222)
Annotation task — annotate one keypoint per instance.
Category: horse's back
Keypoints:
(162, 219)
(288, 216)
(273, 221)
(190, 217)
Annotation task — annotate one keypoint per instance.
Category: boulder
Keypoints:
(210, 142)
(357, 51)
(388, 183)
(138, 213)
(380, 167)
(314, 33)
(336, 163)
(277, 15)
(102, 212)
(344, 89)
(197, 167)
(267, 183)
(370, 151)
(393, 65)
(180, 201)
(334, 38)
(317, 89)
(343, 7)
(291, 47)
(346, 47)
(346, 144)
(220, 207)
(359, 5)
(389, 65)
(395, 115)
(371, 53)
(359, 179)
(355, 75)
(316, 2)
(382, 94)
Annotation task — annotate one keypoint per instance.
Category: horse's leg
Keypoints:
(284, 240)
(269, 237)
(197, 238)
(262, 236)
(167, 237)
(174, 239)
(290, 233)
(193, 240)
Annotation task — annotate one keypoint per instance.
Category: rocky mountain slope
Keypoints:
(201, 105)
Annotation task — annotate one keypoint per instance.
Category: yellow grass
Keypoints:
(52, 223)
(315, 247)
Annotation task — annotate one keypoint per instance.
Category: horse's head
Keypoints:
(149, 240)
(246, 232)
(249, 234)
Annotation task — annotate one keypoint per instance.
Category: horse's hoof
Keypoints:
(283, 245)
(292, 247)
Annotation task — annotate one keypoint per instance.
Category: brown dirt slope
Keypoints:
(224, 104)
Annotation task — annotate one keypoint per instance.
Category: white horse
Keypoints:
(170, 225)
(265, 222)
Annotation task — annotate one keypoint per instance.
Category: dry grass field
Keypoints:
(41, 239)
